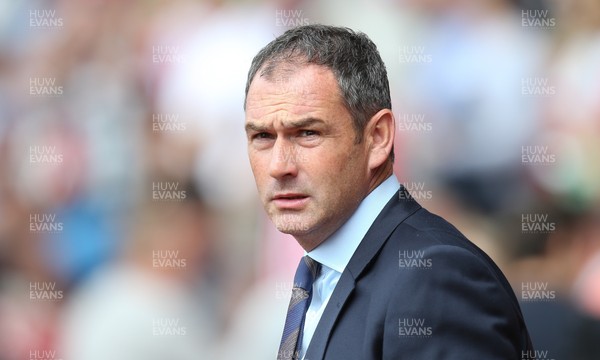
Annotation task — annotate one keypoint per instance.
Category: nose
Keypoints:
(283, 159)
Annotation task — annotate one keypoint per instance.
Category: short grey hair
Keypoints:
(351, 56)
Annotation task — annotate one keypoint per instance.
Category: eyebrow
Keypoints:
(304, 122)
(254, 127)
(289, 125)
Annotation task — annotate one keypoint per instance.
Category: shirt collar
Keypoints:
(335, 252)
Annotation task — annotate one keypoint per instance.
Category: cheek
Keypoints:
(258, 164)
(337, 169)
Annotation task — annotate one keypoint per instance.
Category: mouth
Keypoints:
(290, 201)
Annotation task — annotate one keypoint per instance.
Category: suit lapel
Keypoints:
(318, 344)
(398, 208)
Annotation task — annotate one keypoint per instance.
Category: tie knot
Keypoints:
(307, 272)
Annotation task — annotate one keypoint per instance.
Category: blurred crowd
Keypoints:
(129, 224)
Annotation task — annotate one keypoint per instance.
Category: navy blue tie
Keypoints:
(291, 341)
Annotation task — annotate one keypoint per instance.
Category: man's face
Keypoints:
(310, 173)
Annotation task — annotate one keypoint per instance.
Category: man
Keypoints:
(382, 278)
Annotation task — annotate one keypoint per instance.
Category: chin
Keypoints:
(294, 229)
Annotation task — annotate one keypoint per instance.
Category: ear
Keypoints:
(379, 135)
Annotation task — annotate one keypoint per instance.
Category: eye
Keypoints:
(262, 136)
(306, 133)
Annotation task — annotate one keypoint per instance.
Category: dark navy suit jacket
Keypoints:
(416, 288)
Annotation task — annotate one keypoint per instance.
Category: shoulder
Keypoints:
(427, 234)
(442, 285)
(429, 255)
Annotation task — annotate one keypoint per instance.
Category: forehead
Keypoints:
(297, 90)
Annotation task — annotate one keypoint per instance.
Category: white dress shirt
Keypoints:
(335, 253)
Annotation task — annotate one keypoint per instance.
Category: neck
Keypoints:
(311, 241)
(380, 175)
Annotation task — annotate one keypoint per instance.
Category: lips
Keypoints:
(290, 196)
(290, 201)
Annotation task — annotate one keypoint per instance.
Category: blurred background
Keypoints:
(129, 224)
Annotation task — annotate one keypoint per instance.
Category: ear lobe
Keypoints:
(380, 135)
